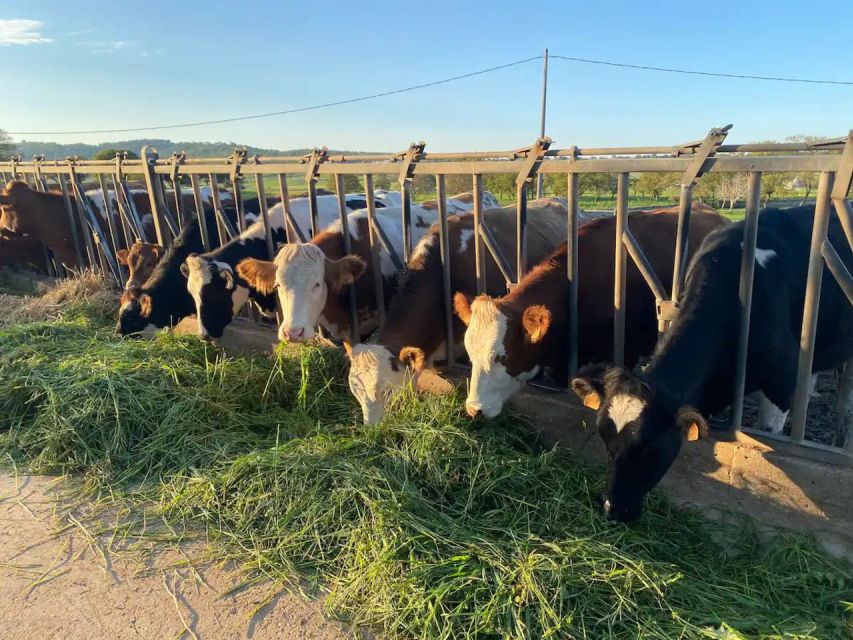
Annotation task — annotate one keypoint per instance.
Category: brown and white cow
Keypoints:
(413, 335)
(312, 278)
(511, 339)
(140, 260)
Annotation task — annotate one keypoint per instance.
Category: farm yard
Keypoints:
(421, 526)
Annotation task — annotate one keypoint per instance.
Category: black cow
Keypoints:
(643, 419)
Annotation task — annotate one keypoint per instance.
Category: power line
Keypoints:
(286, 111)
(424, 85)
(701, 73)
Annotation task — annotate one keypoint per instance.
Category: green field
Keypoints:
(424, 526)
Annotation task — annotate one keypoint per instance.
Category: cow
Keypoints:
(219, 291)
(22, 250)
(413, 335)
(311, 278)
(512, 339)
(643, 419)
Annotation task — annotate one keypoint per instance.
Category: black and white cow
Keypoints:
(643, 419)
(219, 291)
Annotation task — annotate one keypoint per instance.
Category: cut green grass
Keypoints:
(425, 526)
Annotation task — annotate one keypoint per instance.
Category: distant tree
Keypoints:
(773, 185)
(655, 183)
(7, 147)
(707, 189)
(352, 184)
(423, 185)
(110, 154)
(501, 185)
(458, 184)
(557, 184)
(384, 181)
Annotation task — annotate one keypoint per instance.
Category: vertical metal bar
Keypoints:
(179, 202)
(81, 215)
(291, 233)
(236, 183)
(406, 194)
(747, 274)
(681, 238)
(217, 209)
(126, 225)
(540, 177)
(572, 272)
(520, 231)
(199, 207)
(344, 217)
(444, 242)
(620, 271)
(75, 237)
(154, 188)
(265, 214)
(375, 255)
(814, 278)
(479, 249)
(312, 206)
(111, 226)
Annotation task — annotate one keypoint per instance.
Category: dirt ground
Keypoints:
(55, 584)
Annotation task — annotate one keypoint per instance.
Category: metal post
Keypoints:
(619, 283)
(811, 306)
(520, 231)
(444, 242)
(199, 207)
(223, 229)
(291, 230)
(111, 226)
(479, 250)
(375, 255)
(572, 272)
(406, 176)
(540, 177)
(81, 214)
(316, 157)
(747, 274)
(344, 218)
(152, 183)
(681, 238)
(69, 209)
(265, 214)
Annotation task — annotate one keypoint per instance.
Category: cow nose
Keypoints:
(605, 505)
(294, 335)
(473, 410)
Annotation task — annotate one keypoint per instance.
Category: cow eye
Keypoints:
(317, 285)
(500, 359)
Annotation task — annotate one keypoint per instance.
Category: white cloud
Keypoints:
(23, 32)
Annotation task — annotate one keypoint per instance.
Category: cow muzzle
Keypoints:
(295, 334)
(474, 410)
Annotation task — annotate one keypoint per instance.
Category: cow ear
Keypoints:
(340, 273)
(122, 254)
(462, 306)
(260, 274)
(590, 390)
(348, 349)
(185, 270)
(692, 424)
(536, 320)
(145, 305)
(412, 357)
(228, 277)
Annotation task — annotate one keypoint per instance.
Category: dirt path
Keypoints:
(55, 585)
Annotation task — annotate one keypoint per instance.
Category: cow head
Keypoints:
(217, 295)
(304, 278)
(504, 346)
(641, 431)
(135, 312)
(375, 374)
(140, 259)
(13, 203)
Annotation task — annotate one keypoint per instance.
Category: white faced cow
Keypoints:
(413, 335)
(511, 339)
(644, 419)
(311, 278)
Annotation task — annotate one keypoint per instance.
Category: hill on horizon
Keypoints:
(59, 151)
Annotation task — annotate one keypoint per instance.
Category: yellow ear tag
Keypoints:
(693, 432)
(592, 400)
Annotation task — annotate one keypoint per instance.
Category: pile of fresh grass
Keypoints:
(422, 526)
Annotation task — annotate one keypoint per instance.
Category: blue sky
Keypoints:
(91, 65)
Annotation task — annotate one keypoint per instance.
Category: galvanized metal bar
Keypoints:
(409, 159)
(620, 265)
(447, 285)
(223, 227)
(682, 236)
(375, 255)
(199, 208)
(317, 157)
(265, 215)
(643, 264)
(838, 269)
(291, 229)
(573, 207)
(75, 237)
(101, 247)
(81, 216)
(747, 275)
(124, 220)
(500, 259)
(845, 216)
(479, 252)
(808, 333)
(520, 232)
(111, 226)
(345, 233)
(152, 183)
(540, 177)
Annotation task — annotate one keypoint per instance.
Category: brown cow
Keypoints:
(140, 260)
(413, 334)
(22, 250)
(511, 339)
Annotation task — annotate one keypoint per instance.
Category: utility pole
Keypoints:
(540, 178)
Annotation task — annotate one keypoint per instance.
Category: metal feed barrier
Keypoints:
(832, 159)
